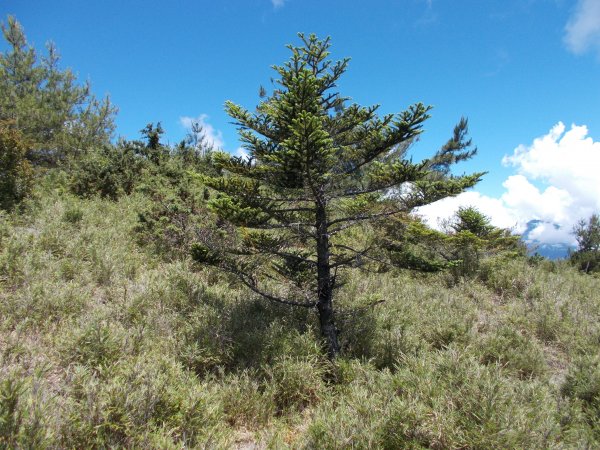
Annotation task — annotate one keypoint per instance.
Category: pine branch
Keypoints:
(362, 217)
(347, 262)
(284, 255)
(251, 284)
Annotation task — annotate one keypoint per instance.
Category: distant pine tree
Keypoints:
(468, 237)
(472, 238)
(587, 234)
(60, 117)
(16, 176)
(317, 168)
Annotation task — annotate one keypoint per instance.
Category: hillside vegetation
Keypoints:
(104, 344)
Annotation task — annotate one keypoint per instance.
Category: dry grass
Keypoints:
(104, 344)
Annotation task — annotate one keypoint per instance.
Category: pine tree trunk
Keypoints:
(329, 331)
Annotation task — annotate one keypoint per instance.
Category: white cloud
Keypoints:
(582, 31)
(213, 137)
(550, 234)
(435, 213)
(278, 3)
(241, 151)
(566, 164)
(429, 16)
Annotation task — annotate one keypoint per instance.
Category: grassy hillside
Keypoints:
(104, 344)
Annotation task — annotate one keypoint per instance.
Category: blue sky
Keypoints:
(515, 68)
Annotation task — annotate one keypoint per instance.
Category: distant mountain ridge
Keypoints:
(550, 251)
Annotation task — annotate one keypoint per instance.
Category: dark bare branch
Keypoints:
(251, 284)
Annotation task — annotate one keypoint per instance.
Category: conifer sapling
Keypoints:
(318, 166)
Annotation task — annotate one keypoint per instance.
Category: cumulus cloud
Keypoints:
(213, 137)
(278, 3)
(241, 151)
(436, 213)
(567, 160)
(582, 31)
(550, 234)
(556, 182)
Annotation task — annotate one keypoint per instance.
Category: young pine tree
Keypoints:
(59, 116)
(587, 234)
(468, 238)
(471, 238)
(317, 167)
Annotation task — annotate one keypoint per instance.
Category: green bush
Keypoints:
(177, 216)
(97, 345)
(582, 384)
(467, 241)
(22, 419)
(587, 234)
(143, 399)
(354, 415)
(514, 351)
(448, 400)
(16, 175)
(472, 239)
(296, 383)
(73, 215)
(12, 265)
(588, 262)
(205, 346)
(108, 171)
(246, 401)
(507, 277)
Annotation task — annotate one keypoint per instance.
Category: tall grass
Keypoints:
(104, 344)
